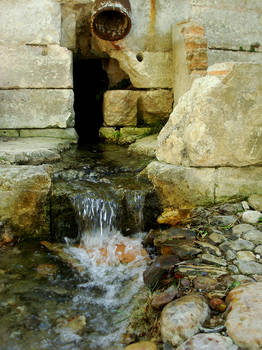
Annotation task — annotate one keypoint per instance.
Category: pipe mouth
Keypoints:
(111, 24)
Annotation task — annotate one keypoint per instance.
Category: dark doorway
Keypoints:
(90, 83)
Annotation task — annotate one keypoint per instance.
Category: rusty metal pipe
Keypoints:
(110, 19)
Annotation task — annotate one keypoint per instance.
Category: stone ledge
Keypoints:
(185, 187)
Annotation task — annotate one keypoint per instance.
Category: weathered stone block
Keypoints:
(220, 56)
(149, 70)
(9, 133)
(68, 33)
(25, 199)
(36, 109)
(30, 21)
(120, 108)
(181, 187)
(68, 134)
(35, 67)
(237, 183)
(155, 105)
(218, 121)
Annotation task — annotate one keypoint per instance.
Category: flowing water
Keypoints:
(44, 303)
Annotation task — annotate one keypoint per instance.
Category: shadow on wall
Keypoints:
(90, 82)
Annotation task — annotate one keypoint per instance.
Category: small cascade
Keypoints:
(114, 265)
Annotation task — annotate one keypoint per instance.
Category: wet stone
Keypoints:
(251, 216)
(195, 269)
(216, 238)
(213, 341)
(164, 298)
(155, 272)
(209, 248)
(183, 251)
(238, 230)
(244, 321)
(230, 255)
(47, 269)
(254, 236)
(249, 267)
(246, 256)
(182, 318)
(205, 283)
(211, 259)
(241, 244)
(223, 221)
(173, 235)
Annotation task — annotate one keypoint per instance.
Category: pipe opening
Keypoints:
(111, 25)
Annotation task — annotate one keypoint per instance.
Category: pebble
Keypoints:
(246, 256)
(251, 216)
(209, 248)
(244, 321)
(47, 269)
(241, 244)
(255, 201)
(205, 283)
(143, 345)
(182, 318)
(258, 249)
(223, 221)
(216, 238)
(213, 341)
(164, 298)
(233, 268)
(238, 230)
(211, 259)
(230, 255)
(249, 267)
(245, 205)
(254, 236)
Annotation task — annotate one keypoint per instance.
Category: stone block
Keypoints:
(147, 69)
(68, 30)
(30, 22)
(181, 187)
(120, 108)
(36, 109)
(155, 105)
(237, 183)
(218, 121)
(220, 56)
(67, 134)
(9, 133)
(25, 200)
(35, 67)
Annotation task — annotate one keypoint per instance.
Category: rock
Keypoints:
(254, 236)
(182, 318)
(245, 205)
(209, 248)
(258, 249)
(212, 341)
(255, 201)
(241, 244)
(63, 134)
(36, 108)
(155, 106)
(35, 150)
(143, 345)
(237, 183)
(120, 108)
(211, 259)
(244, 321)
(110, 135)
(184, 251)
(181, 187)
(129, 134)
(216, 238)
(159, 268)
(173, 236)
(217, 304)
(201, 269)
(249, 267)
(238, 230)
(205, 283)
(226, 220)
(233, 269)
(230, 255)
(25, 200)
(36, 67)
(193, 137)
(251, 216)
(174, 216)
(77, 324)
(246, 256)
(145, 146)
(43, 27)
(164, 298)
(47, 269)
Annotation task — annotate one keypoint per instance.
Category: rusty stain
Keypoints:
(152, 26)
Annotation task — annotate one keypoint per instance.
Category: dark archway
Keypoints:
(90, 83)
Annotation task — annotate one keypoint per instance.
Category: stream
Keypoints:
(100, 212)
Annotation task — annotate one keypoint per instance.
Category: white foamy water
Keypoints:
(114, 265)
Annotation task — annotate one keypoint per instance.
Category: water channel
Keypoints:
(45, 302)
